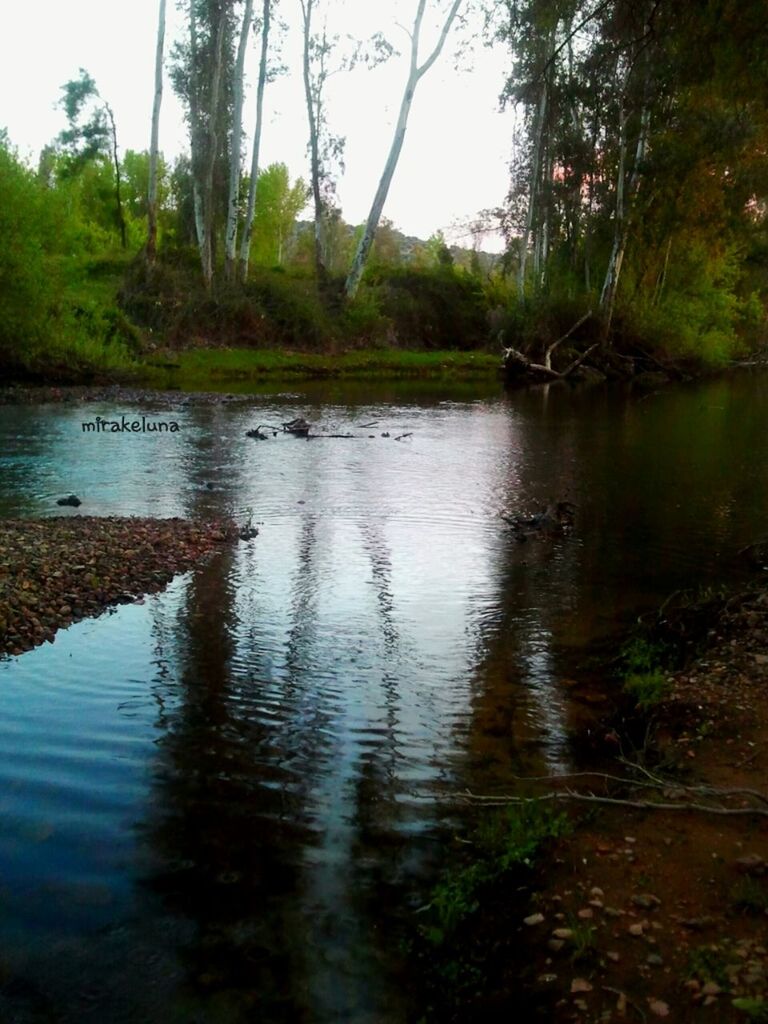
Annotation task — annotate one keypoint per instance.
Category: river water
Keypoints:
(216, 804)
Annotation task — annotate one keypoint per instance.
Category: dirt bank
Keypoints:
(664, 913)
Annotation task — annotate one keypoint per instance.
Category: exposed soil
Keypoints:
(57, 570)
(647, 914)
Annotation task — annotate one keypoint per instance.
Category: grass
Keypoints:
(646, 688)
(643, 662)
(195, 367)
(503, 843)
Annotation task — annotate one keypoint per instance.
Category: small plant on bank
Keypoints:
(584, 948)
(709, 963)
(647, 688)
(643, 662)
(504, 842)
(756, 1009)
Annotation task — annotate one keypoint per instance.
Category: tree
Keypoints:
(87, 137)
(155, 139)
(235, 155)
(278, 204)
(416, 72)
(315, 73)
(245, 247)
(202, 75)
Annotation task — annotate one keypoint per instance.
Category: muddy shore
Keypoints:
(645, 912)
(55, 571)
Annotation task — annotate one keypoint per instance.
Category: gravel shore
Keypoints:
(55, 571)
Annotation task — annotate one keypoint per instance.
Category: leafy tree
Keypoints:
(641, 128)
(202, 71)
(278, 204)
(92, 132)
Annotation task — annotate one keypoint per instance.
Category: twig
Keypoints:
(401, 436)
(655, 782)
(363, 426)
(590, 798)
(314, 437)
(620, 994)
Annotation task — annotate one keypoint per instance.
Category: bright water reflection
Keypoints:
(213, 801)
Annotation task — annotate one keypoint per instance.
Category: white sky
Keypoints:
(456, 153)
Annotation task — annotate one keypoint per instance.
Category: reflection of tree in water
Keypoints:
(519, 718)
(227, 829)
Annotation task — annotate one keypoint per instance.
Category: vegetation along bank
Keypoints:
(634, 225)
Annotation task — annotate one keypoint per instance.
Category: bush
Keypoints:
(432, 308)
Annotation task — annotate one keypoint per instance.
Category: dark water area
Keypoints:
(219, 803)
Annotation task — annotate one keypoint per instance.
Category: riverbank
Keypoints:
(56, 571)
(656, 904)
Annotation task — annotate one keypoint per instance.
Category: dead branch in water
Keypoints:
(517, 362)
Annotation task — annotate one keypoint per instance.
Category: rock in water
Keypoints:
(72, 500)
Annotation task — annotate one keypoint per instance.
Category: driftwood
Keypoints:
(592, 798)
(666, 787)
(301, 428)
(517, 363)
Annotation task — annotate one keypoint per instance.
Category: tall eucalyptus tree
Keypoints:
(155, 138)
(245, 245)
(235, 156)
(416, 72)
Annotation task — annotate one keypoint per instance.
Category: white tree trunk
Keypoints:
(230, 236)
(621, 223)
(194, 133)
(541, 114)
(414, 75)
(207, 191)
(313, 117)
(245, 245)
(155, 139)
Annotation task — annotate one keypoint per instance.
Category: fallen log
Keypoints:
(516, 363)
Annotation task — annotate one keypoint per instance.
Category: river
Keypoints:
(216, 804)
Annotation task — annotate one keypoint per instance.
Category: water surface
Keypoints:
(217, 803)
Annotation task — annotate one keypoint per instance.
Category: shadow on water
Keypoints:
(218, 804)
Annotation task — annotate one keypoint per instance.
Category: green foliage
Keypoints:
(755, 1008)
(642, 655)
(583, 936)
(647, 688)
(643, 663)
(430, 309)
(708, 963)
(504, 842)
(278, 204)
(50, 316)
